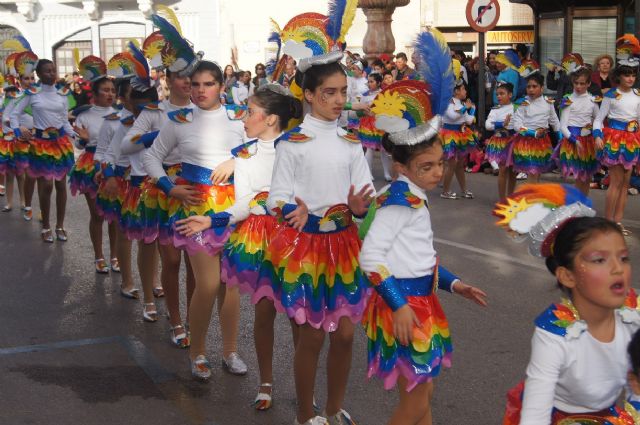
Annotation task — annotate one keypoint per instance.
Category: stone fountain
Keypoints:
(379, 37)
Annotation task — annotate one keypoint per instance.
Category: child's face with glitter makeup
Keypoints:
(328, 99)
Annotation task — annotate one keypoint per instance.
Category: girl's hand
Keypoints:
(470, 292)
(359, 202)
(187, 194)
(599, 143)
(298, 217)
(97, 177)
(223, 171)
(192, 225)
(403, 320)
(111, 187)
(25, 134)
(507, 120)
(82, 133)
(469, 104)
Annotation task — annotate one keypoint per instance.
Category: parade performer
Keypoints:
(617, 142)
(320, 180)
(270, 109)
(88, 122)
(576, 152)
(23, 70)
(14, 153)
(578, 366)
(407, 331)
(51, 150)
(500, 121)
(531, 148)
(458, 139)
(205, 136)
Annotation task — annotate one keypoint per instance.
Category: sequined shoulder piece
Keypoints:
(181, 116)
(636, 92)
(348, 136)
(79, 110)
(152, 106)
(236, 112)
(258, 205)
(596, 99)
(245, 150)
(399, 193)
(64, 91)
(128, 121)
(114, 116)
(565, 102)
(562, 319)
(550, 100)
(296, 135)
(34, 89)
(613, 94)
(630, 311)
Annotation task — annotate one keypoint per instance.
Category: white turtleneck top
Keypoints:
(206, 141)
(26, 120)
(621, 106)
(251, 176)
(581, 112)
(113, 154)
(319, 171)
(92, 120)
(498, 114)
(457, 113)
(49, 108)
(536, 113)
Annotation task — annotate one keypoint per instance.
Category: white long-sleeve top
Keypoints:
(26, 120)
(457, 113)
(581, 112)
(536, 113)
(92, 120)
(105, 134)
(400, 239)
(576, 373)
(113, 155)
(205, 141)
(251, 176)
(621, 106)
(240, 93)
(148, 121)
(49, 108)
(499, 114)
(319, 171)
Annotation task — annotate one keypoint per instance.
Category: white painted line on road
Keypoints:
(497, 255)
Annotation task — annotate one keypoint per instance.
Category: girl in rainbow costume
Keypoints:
(407, 331)
(270, 110)
(51, 149)
(618, 141)
(320, 180)
(531, 148)
(578, 366)
(500, 121)
(204, 136)
(576, 152)
(14, 153)
(82, 177)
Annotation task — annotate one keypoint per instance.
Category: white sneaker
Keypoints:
(521, 176)
(234, 364)
(317, 420)
(340, 418)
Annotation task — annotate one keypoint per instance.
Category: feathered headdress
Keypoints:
(509, 58)
(539, 211)
(528, 67)
(437, 68)
(142, 80)
(152, 48)
(121, 66)
(276, 65)
(25, 63)
(627, 50)
(92, 68)
(17, 44)
(185, 59)
(457, 72)
(10, 62)
(572, 62)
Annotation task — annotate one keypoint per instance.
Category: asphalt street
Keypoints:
(73, 351)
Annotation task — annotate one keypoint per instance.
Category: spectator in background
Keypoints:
(161, 86)
(79, 95)
(507, 63)
(403, 71)
(289, 72)
(240, 90)
(377, 66)
(523, 51)
(602, 76)
(228, 80)
(387, 79)
(261, 76)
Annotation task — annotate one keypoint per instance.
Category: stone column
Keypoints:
(379, 37)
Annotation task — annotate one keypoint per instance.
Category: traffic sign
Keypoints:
(483, 15)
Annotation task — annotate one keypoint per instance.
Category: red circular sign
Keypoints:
(483, 15)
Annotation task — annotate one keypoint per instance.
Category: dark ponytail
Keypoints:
(284, 106)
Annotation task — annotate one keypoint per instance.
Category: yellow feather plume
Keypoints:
(76, 57)
(1, 80)
(456, 68)
(347, 19)
(275, 26)
(13, 45)
(135, 42)
(168, 14)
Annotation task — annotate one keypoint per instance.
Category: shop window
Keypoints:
(551, 39)
(64, 55)
(111, 46)
(592, 37)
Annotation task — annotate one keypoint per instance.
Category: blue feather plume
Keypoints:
(23, 41)
(141, 67)
(336, 13)
(174, 38)
(513, 57)
(435, 65)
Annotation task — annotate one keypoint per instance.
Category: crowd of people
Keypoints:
(262, 185)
